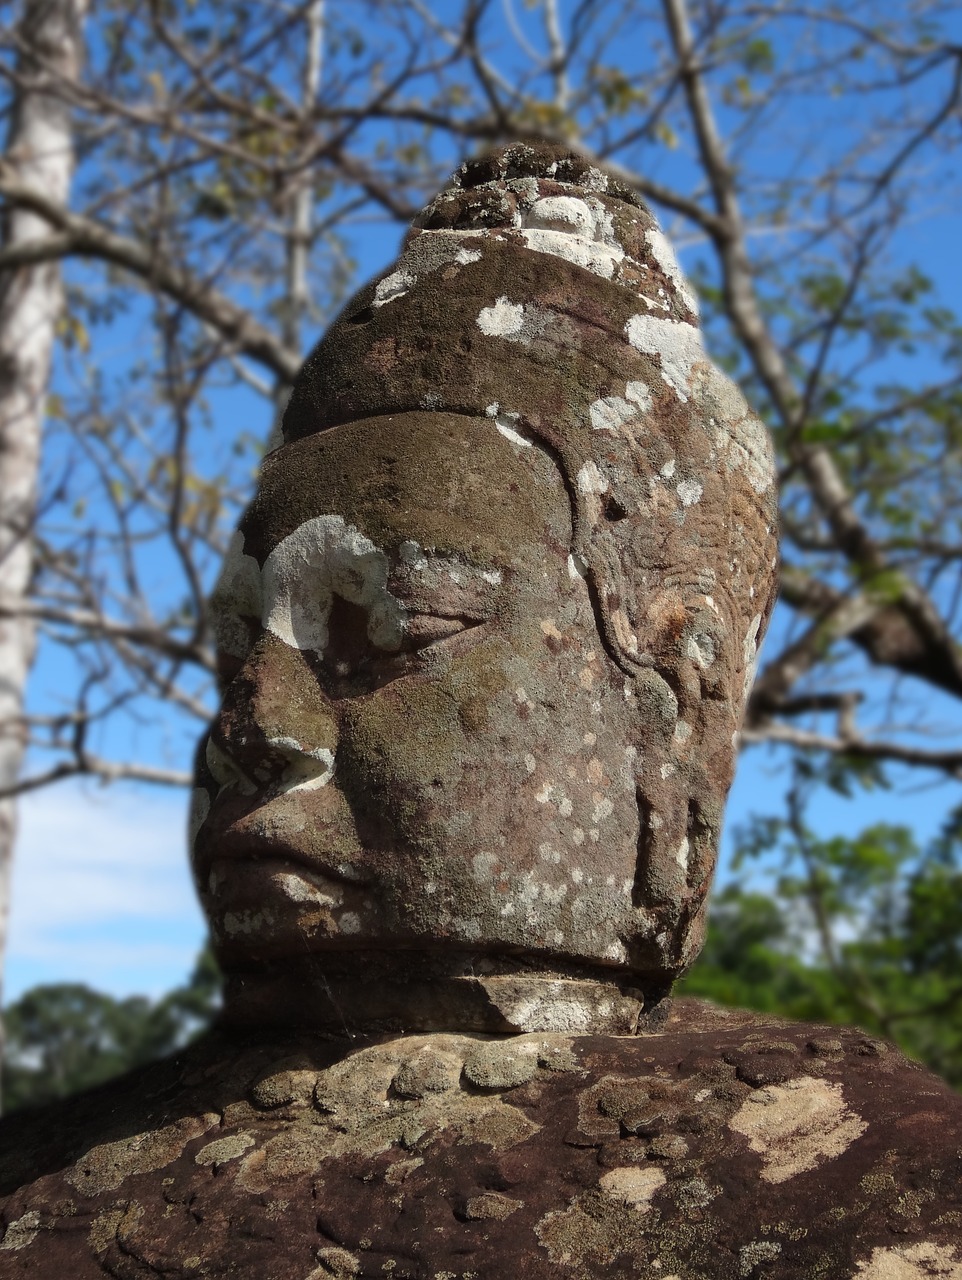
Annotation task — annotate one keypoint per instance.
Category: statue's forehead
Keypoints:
(533, 290)
(456, 483)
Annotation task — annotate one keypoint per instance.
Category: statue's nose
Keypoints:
(275, 728)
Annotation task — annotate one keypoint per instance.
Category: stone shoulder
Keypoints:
(728, 1145)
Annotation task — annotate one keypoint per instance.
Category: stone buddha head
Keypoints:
(487, 629)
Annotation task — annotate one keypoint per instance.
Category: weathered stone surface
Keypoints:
(465, 1156)
(486, 633)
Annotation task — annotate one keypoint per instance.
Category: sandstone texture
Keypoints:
(485, 638)
(724, 1147)
(488, 626)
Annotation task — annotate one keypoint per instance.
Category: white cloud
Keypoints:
(101, 891)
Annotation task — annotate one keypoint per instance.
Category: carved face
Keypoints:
(483, 667)
(425, 738)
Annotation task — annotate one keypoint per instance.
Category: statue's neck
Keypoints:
(378, 992)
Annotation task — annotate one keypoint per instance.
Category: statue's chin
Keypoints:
(371, 992)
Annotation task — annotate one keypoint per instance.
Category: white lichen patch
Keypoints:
(681, 854)
(579, 231)
(307, 769)
(503, 320)
(664, 255)
(507, 424)
(238, 923)
(599, 259)
(689, 491)
(392, 287)
(752, 1255)
(678, 345)
(750, 653)
(483, 867)
(322, 558)
(223, 1149)
(602, 809)
(106, 1167)
(604, 224)
(299, 889)
(922, 1261)
(576, 567)
(701, 648)
(426, 253)
(796, 1126)
(517, 321)
(562, 213)
(751, 448)
(617, 951)
(739, 436)
(527, 189)
(412, 555)
(22, 1231)
(639, 394)
(236, 597)
(633, 1186)
(590, 481)
(611, 413)
(557, 1006)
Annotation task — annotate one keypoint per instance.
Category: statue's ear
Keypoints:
(686, 706)
(692, 643)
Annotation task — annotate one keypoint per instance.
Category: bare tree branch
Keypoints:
(85, 238)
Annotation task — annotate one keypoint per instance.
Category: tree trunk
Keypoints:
(39, 153)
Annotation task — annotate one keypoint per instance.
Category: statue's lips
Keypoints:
(271, 854)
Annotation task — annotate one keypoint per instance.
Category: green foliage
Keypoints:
(749, 959)
(65, 1037)
(864, 930)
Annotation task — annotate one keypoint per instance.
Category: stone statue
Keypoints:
(485, 635)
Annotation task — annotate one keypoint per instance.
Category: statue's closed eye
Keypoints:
(353, 666)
